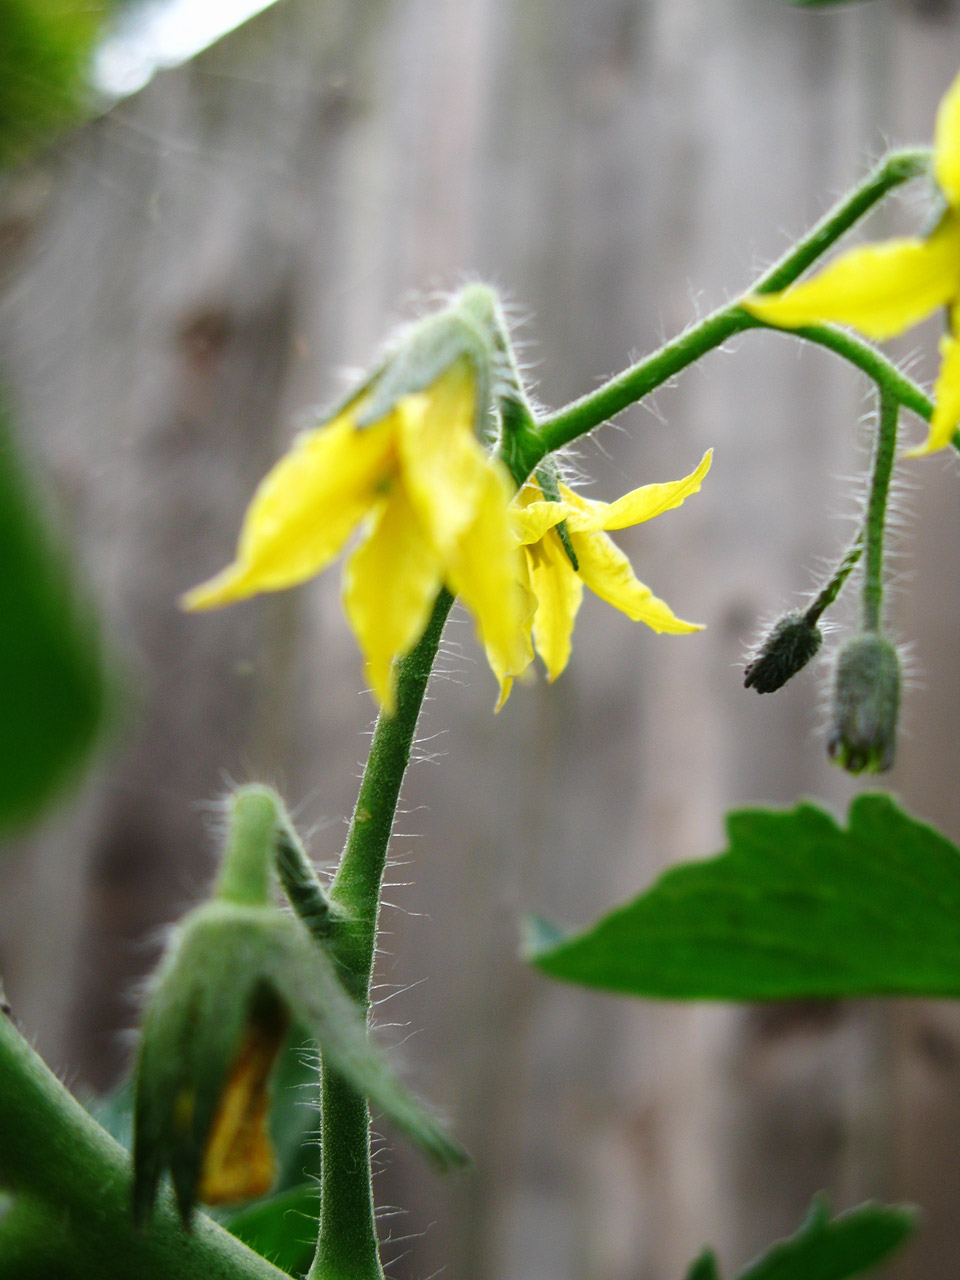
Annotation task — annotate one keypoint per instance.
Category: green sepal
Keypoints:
(231, 965)
(548, 479)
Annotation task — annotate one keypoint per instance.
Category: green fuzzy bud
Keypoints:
(866, 704)
(235, 976)
(787, 649)
(215, 991)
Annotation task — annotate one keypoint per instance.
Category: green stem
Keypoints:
(347, 1246)
(834, 586)
(71, 1187)
(884, 451)
(626, 388)
(302, 885)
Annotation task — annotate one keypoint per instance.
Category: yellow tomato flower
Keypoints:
(554, 580)
(433, 509)
(886, 288)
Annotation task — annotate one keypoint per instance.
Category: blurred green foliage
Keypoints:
(52, 678)
(45, 48)
(825, 1248)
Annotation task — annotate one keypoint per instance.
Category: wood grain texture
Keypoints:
(183, 279)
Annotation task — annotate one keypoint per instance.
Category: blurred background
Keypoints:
(184, 277)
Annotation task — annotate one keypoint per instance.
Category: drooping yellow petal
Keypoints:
(389, 585)
(946, 395)
(484, 571)
(559, 591)
(946, 145)
(532, 521)
(529, 609)
(641, 504)
(443, 462)
(880, 289)
(608, 573)
(304, 510)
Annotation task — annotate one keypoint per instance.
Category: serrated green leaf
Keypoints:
(282, 1229)
(832, 1249)
(797, 907)
(53, 684)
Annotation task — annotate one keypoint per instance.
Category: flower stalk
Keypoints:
(884, 451)
(347, 1246)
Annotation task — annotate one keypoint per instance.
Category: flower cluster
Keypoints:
(404, 461)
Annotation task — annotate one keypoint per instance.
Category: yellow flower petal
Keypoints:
(484, 571)
(529, 609)
(389, 585)
(880, 289)
(304, 510)
(946, 394)
(443, 462)
(531, 522)
(641, 504)
(559, 591)
(946, 145)
(608, 573)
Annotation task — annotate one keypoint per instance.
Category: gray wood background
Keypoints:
(184, 278)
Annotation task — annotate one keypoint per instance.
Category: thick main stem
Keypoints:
(884, 451)
(347, 1246)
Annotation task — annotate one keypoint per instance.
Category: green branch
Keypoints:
(884, 451)
(70, 1184)
(626, 388)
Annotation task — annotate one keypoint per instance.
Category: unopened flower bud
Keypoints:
(866, 703)
(214, 1026)
(786, 649)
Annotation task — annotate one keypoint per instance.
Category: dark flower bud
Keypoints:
(866, 702)
(787, 648)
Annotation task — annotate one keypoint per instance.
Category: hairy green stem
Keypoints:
(347, 1245)
(70, 1188)
(626, 388)
(827, 595)
(884, 451)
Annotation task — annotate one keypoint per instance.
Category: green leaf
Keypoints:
(832, 1250)
(704, 1267)
(283, 1228)
(53, 683)
(797, 907)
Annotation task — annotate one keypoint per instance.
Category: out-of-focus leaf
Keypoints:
(704, 1267)
(45, 47)
(797, 907)
(832, 1249)
(282, 1229)
(50, 670)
